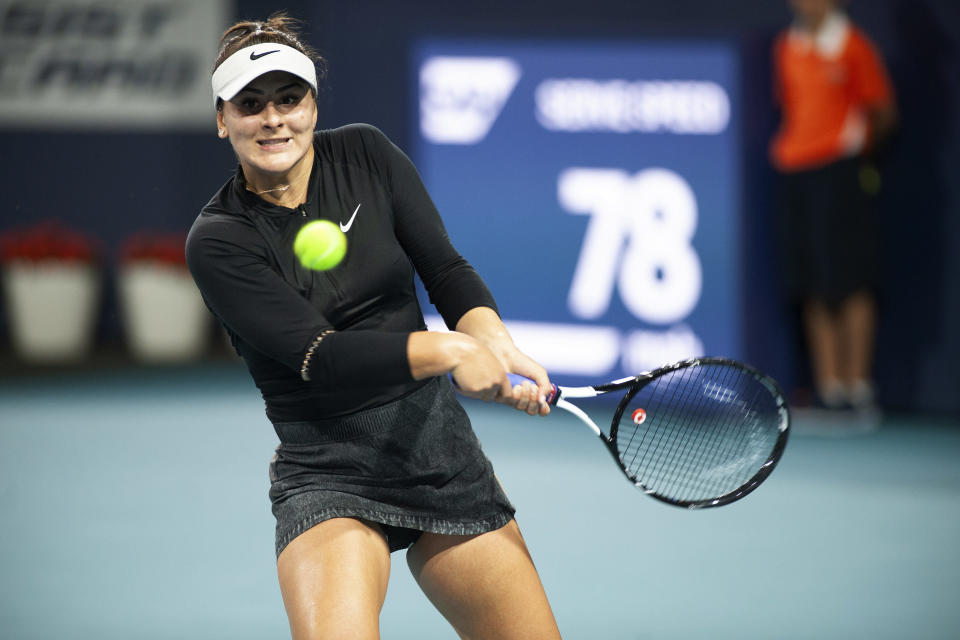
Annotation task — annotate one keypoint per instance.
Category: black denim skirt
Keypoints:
(412, 465)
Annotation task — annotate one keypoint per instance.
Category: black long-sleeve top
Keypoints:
(240, 252)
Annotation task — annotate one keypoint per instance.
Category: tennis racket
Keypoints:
(698, 433)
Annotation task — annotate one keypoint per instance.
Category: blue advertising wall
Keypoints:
(596, 188)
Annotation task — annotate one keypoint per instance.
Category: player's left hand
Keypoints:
(485, 325)
(531, 398)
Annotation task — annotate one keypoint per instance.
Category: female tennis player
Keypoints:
(375, 453)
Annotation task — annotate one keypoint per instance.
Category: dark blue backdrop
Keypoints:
(113, 184)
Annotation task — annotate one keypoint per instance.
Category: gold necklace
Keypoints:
(282, 187)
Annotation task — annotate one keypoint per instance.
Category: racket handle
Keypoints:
(516, 378)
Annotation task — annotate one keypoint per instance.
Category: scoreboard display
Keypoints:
(596, 189)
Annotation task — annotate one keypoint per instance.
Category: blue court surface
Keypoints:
(134, 506)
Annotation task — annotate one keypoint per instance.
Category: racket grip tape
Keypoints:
(516, 378)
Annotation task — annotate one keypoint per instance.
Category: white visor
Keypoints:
(250, 63)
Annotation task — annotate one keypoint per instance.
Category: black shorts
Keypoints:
(412, 465)
(828, 235)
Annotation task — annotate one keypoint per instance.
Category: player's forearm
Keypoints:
(352, 359)
(485, 325)
(432, 353)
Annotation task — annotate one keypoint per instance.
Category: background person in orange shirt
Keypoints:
(837, 104)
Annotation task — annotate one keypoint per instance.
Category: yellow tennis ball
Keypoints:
(320, 245)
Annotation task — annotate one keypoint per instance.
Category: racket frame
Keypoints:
(635, 383)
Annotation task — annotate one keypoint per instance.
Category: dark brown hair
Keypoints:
(279, 28)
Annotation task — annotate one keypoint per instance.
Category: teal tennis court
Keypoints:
(134, 505)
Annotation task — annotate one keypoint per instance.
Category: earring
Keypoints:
(222, 132)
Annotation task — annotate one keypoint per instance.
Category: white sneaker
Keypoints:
(833, 395)
(861, 395)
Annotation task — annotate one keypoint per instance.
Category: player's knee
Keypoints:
(343, 623)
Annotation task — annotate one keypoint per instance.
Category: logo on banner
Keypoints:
(462, 97)
(140, 64)
(621, 106)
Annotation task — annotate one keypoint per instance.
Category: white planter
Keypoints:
(51, 307)
(164, 316)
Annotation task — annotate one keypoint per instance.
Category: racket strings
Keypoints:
(746, 444)
(740, 452)
(736, 453)
(704, 442)
(643, 447)
(655, 450)
(727, 439)
(668, 457)
(691, 444)
(708, 431)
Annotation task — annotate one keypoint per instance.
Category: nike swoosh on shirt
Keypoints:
(257, 56)
(346, 227)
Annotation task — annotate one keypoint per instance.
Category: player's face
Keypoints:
(270, 123)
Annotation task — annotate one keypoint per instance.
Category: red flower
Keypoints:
(46, 241)
(159, 247)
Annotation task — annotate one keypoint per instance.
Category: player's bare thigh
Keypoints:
(333, 578)
(486, 586)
